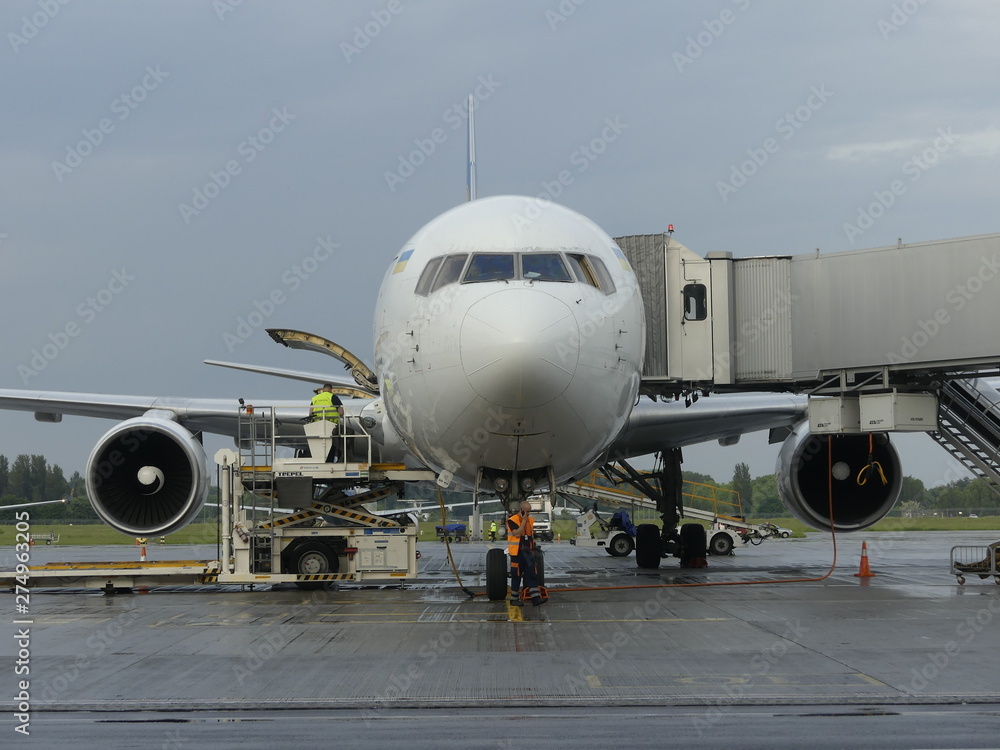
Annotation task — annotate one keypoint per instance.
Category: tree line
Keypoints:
(31, 479)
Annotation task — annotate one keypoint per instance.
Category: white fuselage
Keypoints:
(521, 349)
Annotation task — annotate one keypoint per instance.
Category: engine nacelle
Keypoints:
(803, 477)
(147, 477)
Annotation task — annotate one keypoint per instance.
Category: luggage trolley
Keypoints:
(980, 560)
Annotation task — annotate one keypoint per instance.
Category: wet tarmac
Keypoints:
(761, 637)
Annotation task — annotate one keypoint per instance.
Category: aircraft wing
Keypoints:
(217, 416)
(654, 426)
(29, 505)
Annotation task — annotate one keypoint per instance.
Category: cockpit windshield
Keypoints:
(544, 267)
(557, 267)
(490, 267)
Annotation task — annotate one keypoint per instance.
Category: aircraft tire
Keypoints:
(647, 546)
(496, 575)
(693, 543)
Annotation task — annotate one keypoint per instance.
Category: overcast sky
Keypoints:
(170, 166)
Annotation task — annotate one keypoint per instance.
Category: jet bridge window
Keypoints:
(424, 284)
(490, 267)
(544, 267)
(695, 302)
(451, 270)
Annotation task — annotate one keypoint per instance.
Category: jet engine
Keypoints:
(866, 478)
(147, 476)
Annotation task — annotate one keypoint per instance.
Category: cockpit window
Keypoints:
(490, 267)
(582, 270)
(424, 284)
(605, 283)
(544, 267)
(451, 270)
(591, 270)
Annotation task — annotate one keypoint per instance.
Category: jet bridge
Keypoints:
(875, 319)
(886, 339)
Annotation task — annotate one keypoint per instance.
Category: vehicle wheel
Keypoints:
(693, 544)
(311, 558)
(621, 545)
(647, 546)
(540, 566)
(785, 535)
(496, 575)
(722, 544)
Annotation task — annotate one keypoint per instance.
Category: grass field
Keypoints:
(205, 533)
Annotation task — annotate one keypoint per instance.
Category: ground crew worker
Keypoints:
(493, 531)
(521, 546)
(326, 405)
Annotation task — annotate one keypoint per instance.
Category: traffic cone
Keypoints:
(559, 537)
(142, 553)
(864, 571)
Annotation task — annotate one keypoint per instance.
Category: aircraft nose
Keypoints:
(520, 347)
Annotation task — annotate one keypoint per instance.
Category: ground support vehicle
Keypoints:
(298, 520)
(616, 536)
(725, 518)
(452, 532)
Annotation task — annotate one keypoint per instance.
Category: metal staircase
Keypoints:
(969, 427)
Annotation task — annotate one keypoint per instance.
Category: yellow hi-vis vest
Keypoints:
(323, 407)
(514, 542)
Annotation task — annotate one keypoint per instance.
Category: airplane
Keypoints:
(509, 338)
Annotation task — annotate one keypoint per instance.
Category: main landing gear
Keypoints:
(662, 486)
